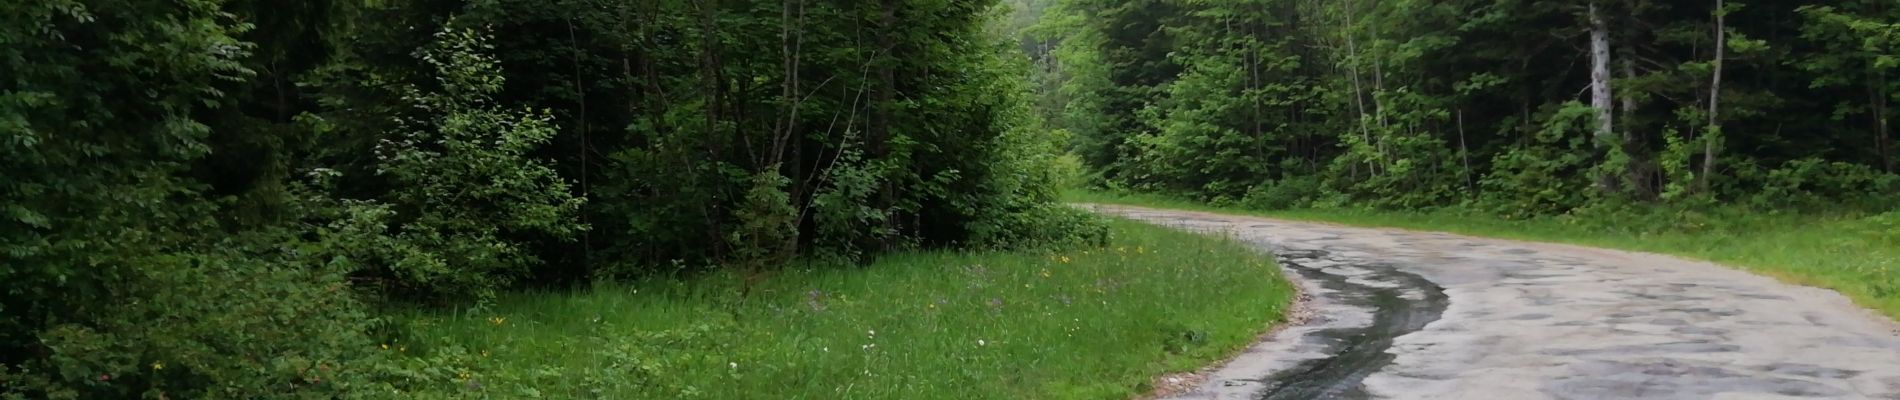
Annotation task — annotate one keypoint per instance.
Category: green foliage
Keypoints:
(1677, 159)
(209, 199)
(1545, 176)
(842, 210)
(922, 325)
(212, 325)
(1412, 105)
(1813, 182)
(1884, 227)
(767, 232)
(1288, 193)
(119, 281)
(466, 193)
(1399, 163)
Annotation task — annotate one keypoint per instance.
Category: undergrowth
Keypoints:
(1090, 322)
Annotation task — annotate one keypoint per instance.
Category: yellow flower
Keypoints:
(1045, 272)
(385, 346)
(1065, 259)
(497, 320)
(157, 365)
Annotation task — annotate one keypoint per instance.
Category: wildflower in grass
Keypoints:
(497, 321)
(734, 365)
(981, 343)
(157, 365)
(1045, 272)
(1064, 259)
(385, 346)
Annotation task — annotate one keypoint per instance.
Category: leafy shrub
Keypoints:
(1817, 182)
(1050, 225)
(1400, 165)
(1068, 172)
(113, 280)
(768, 223)
(846, 222)
(1289, 193)
(272, 318)
(1627, 217)
(465, 190)
(1544, 177)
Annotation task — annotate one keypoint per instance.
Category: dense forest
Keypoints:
(230, 198)
(1519, 107)
(177, 173)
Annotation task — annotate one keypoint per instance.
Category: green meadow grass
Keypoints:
(1087, 323)
(1842, 252)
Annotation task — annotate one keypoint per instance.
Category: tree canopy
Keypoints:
(1522, 107)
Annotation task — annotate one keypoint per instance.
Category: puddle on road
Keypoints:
(1355, 352)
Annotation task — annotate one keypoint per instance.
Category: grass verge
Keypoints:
(1855, 255)
(1092, 323)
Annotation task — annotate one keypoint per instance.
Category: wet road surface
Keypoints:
(1420, 315)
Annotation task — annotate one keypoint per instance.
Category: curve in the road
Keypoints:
(1522, 320)
(1400, 303)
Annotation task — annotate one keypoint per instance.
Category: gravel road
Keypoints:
(1420, 315)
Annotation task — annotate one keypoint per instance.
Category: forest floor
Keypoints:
(1091, 322)
(1411, 314)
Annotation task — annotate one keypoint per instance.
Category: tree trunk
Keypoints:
(882, 104)
(1464, 153)
(580, 94)
(1600, 93)
(1633, 142)
(1883, 138)
(1715, 98)
(1358, 89)
(712, 83)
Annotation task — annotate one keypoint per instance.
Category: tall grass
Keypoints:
(1854, 254)
(1086, 323)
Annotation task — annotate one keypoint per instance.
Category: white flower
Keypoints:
(733, 365)
(872, 332)
(980, 342)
